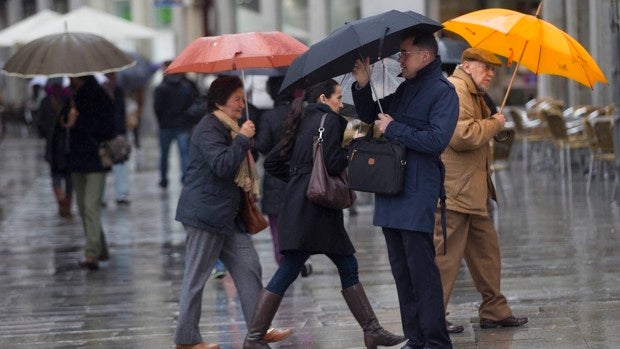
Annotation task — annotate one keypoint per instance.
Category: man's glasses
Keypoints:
(404, 54)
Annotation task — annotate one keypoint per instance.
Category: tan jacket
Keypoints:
(468, 157)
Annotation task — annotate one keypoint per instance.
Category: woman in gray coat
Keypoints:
(307, 228)
(220, 168)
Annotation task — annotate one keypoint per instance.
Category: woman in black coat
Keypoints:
(307, 228)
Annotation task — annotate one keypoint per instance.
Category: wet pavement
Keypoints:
(560, 254)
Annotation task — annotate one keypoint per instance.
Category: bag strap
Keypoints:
(322, 128)
(442, 201)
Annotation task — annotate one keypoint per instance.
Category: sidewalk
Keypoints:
(561, 258)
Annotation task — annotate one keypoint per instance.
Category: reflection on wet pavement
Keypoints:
(560, 255)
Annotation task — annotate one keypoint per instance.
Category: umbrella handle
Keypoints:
(372, 87)
(512, 79)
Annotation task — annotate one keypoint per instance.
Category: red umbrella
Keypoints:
(214, 54)
(229, 52)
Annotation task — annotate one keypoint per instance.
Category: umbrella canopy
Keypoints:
(214, 54)
(450, 50)
(374, 37)
(14, 34)
(383, 75)
(139, 75)
(88, 20)
(532, 42)
(70, 54)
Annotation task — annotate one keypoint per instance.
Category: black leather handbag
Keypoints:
(376, 165)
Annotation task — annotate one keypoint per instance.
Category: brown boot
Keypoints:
(266, 307)
(65, 207)
(201, 345)
(60, 199)
(361, 309)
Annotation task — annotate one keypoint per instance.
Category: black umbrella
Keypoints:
(375, 37)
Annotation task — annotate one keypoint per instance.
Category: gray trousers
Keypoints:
(202, 248)
(88, 194)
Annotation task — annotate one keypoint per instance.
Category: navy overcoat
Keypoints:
(425, 111)
(210, 199)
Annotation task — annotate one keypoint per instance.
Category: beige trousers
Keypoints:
(474, 238)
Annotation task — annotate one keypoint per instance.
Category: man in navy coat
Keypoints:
(422, 115)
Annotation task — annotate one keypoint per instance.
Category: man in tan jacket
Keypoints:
(470, 230)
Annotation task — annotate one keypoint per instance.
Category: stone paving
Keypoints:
(561, 268)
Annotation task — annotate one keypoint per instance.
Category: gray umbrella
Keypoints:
(70, 54)
(451, 50)
(139, 75)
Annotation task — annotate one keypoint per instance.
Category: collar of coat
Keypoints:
(459, 73)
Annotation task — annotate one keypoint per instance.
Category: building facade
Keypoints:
(594, 23)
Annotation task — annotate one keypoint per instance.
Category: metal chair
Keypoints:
(527, 131)
(603, 152)
(565, 138)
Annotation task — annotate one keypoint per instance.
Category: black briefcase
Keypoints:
(376, 165)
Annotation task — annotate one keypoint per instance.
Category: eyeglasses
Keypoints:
(404, 54)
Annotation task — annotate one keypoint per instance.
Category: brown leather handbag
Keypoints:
(252, 216)
(323, 189)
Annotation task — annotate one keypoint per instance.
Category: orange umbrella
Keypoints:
(532, 42)
(214, 54)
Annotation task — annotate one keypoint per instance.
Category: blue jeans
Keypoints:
(121, 180)
(293, 261)
(166, 136)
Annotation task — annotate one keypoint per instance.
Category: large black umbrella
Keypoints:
(375, 37)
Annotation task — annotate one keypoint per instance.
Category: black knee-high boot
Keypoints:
(361, 309)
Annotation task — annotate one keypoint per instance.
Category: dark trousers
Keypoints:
(293, 261)
(412, 258)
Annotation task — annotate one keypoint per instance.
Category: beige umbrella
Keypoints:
(16, 32)
(70, 54)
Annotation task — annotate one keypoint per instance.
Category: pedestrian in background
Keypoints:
(172, 99)
(469, 188)
(91, 121)
(307, 228)
(120, 171)
(209, 208)
(422, 115)
(52, 118)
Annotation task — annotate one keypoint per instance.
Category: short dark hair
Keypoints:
(221, 89)
(422, 40)
(273, 88)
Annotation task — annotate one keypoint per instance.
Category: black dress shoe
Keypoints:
(452, 328)
(510, 321)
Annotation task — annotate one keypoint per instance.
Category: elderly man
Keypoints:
(469, 189)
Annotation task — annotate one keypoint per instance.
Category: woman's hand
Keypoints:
(71, 118)
(360, 72)
(248, 129)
